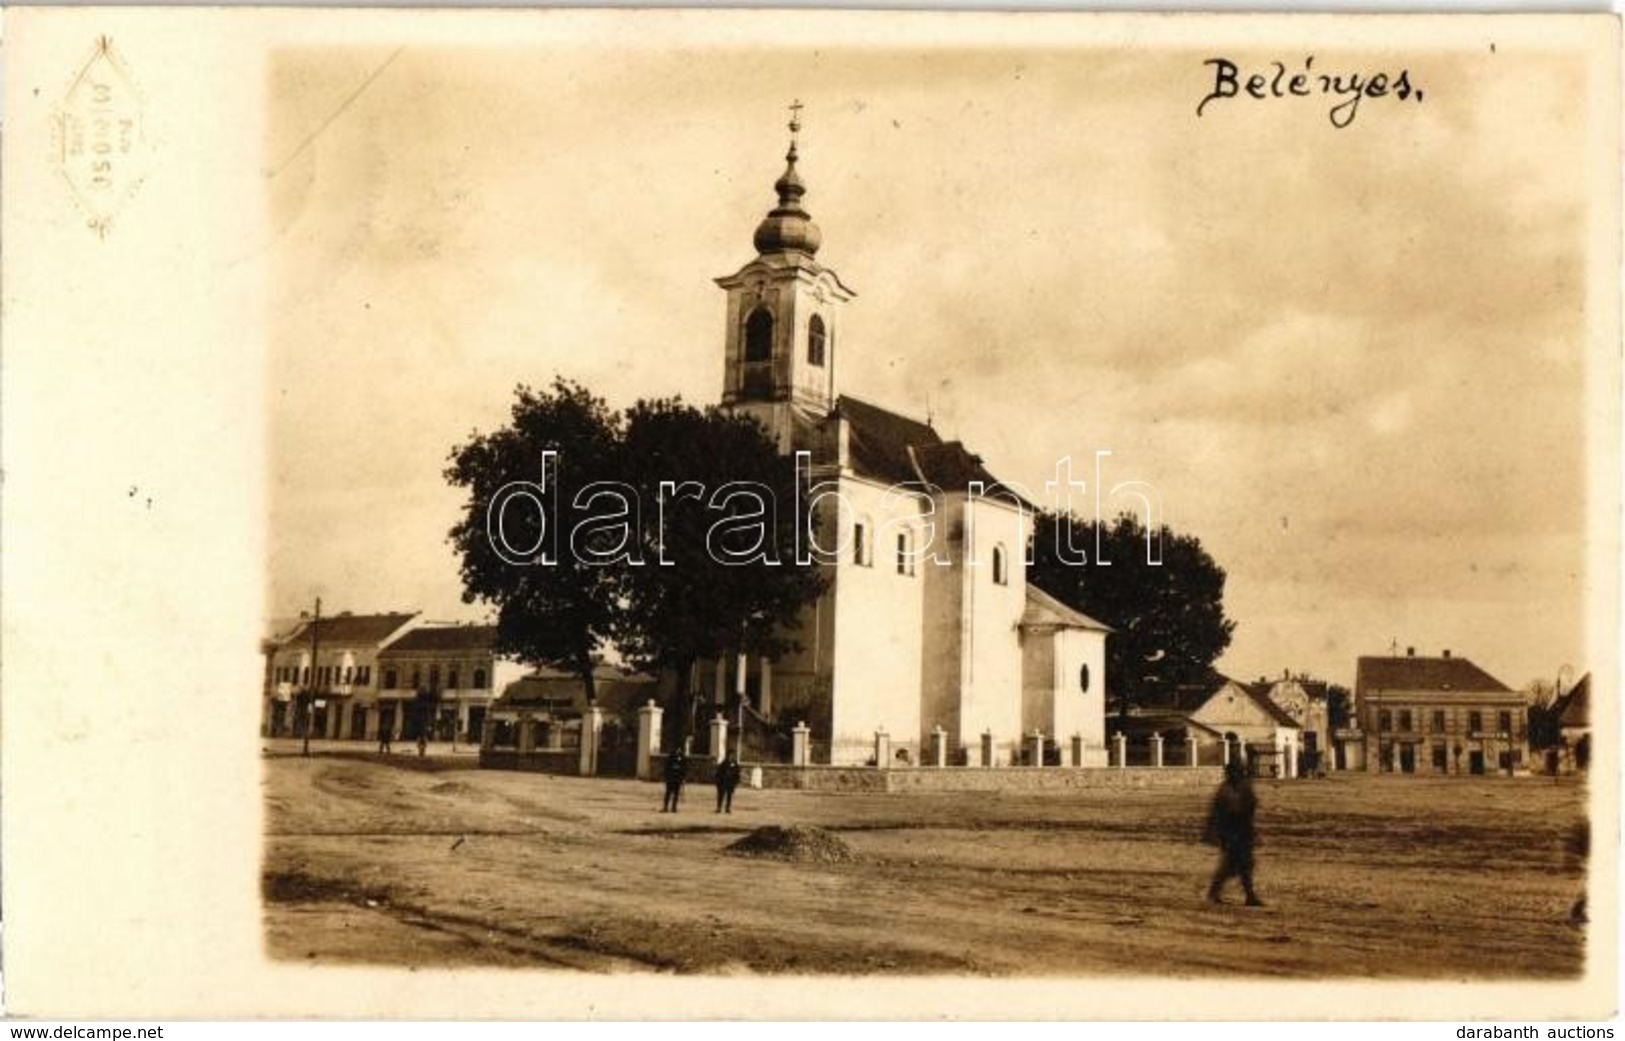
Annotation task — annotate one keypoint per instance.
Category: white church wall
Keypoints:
(942, 665)
(991, 694)
(1079, 710)
(1040, 676)
(878, 627)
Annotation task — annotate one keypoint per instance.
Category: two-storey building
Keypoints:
(335, 659)
(1439, 716)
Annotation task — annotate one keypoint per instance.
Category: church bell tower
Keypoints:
(783, 316)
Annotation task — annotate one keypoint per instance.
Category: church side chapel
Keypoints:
(928, 621)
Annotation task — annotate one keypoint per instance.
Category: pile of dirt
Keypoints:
(296, 887)
(802, 844)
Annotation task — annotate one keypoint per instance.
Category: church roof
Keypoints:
(1044, 611)
(895, 449)
(1410, 673)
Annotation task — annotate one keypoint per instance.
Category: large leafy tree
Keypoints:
(718, 572)
(1160, 591)
(560, 610)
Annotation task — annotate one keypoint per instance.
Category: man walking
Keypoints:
(1230, 827)
(727, 781)
(676, 774)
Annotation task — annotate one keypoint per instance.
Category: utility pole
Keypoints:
(310, 689)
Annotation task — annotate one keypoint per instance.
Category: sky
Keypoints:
(1350, 360)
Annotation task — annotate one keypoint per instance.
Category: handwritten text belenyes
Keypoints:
(1275, 81)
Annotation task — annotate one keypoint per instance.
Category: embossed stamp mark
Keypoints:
(102, 147)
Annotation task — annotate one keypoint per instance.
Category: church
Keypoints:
(927, 621)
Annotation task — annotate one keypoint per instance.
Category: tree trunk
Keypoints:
(584, 666)
(683, 698)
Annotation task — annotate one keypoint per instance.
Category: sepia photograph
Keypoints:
(1015, 499)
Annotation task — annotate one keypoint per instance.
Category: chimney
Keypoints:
(1447, 652)
(1286, 674)
(1410, 652)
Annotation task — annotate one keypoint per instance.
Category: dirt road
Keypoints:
(430, 863)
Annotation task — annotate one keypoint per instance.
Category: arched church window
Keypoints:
(862, 548)
(759, 336)
(1083, 677)
(815, 341)
(1001, 574)
(905, 553)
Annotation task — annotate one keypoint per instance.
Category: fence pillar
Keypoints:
(719, 737)
(1077, 750)
(1156, 749)
(987, 748)
(1036, 747)
(1193, 750)
(882, 748)
(1226, 743)
(592, 731)
(800, 744)
(939, 746)
(648, 739)
(1120, 745)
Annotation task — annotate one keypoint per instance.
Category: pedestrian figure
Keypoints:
(383, 741)
(423, 744)
(676, 774)
(727, 781)
(1230, 827)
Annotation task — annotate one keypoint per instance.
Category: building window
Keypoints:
(1475, 721)
(1438, 720)
(1405, 720)
(1441, 763)
(905, 554)
(417, 678)
(1385, 720)
(815, 342)
(479, 679)
(759, 335)
(1001, 572)
(304, 676)
(451, 678)
(392, 679)
(434, 677)
(862, 550)
(1083, 677)
(364, 675)
(1504, 721)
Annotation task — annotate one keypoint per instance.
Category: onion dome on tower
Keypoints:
(788, 227)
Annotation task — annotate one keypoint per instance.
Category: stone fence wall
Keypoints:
(956, 778)
(541, 760)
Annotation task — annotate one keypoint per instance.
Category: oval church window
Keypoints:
(1083, 677)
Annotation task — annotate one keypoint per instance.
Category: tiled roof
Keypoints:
(1262, 699)
(1575, 709)
(1044, 610)
(471, 638)
(892, 448)
(880, 440)
(1409, 673)
(350, 628)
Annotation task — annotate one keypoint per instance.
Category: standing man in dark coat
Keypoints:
(1230, 827)
(727, 781)
(676, 774)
